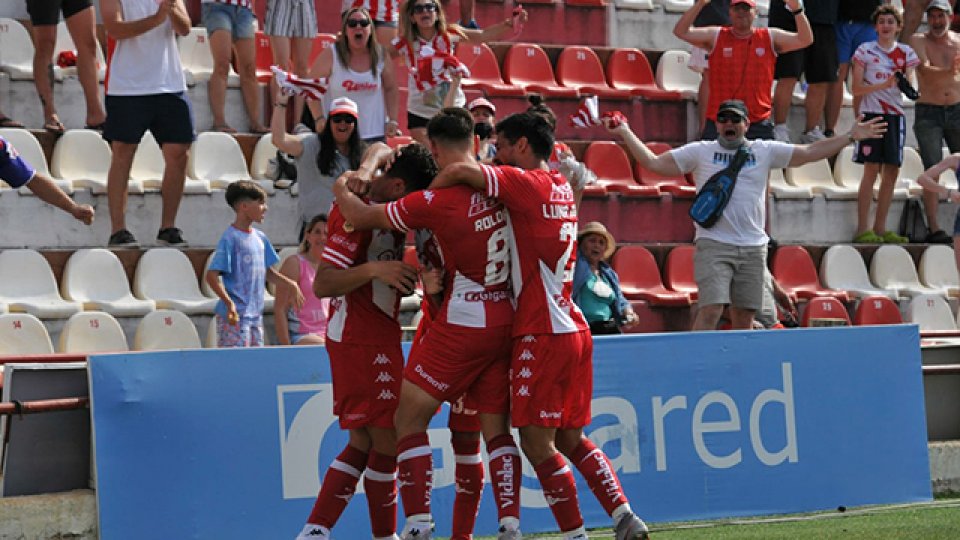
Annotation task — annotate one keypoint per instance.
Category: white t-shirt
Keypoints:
(742, 222)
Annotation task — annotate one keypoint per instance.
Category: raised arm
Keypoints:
(784, 41)
(321, 69)
(285, 142)
(831, 146)
(460, 173)
(494, 31)
(663, 164)
(360, 215)
(929, 179)
(698, 37)
(391, 98)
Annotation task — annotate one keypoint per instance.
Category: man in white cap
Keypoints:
(484, 118)
(937, 113)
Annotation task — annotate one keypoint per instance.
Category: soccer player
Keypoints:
(552, 360)
(466, 348)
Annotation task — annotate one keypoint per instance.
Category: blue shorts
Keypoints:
(240, 21)
(168, 116)
(850, 35)
(888, 148)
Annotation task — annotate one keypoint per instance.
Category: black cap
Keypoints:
(734, 106)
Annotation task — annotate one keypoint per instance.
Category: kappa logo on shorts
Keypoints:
(524, 373)
(526, 355)
(384, 377)
(381, 359)
(386, 395)
(529, 339)
(523, 391)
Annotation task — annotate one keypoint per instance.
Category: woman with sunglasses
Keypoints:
(320, 158)
(356, 67)
(384, 14)
(291, 26)
(423, 24)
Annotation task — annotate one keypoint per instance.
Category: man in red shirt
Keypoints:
(552, 361)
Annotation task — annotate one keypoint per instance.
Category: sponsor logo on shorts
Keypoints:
(442, 386)
(381, 359)
(549, 415)
(386, 395)
(523, 391)
(524, 373)
(526, 355)
(529, 339)
(384, 377)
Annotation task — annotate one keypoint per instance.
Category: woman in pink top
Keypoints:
(307, 325)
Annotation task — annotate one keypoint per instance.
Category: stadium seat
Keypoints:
(16, 50)
(164, 330)
(394, 142)
(911, 168)
(484, 71)
(528, 66)
(197, 60)
(612, 167)
(793, 268)
(817, 176)
(218, 159)
(320, 42)
(676, 6)
(166, 276)
(938, 269)
(877, 310)
(678, 271)
(29, 147)
(825, 308)
(263, 152)
(210, 341)
(83, 157)
(640, 278)
(65, 43)
(645, 5)
(931, 313)
(148, 166)
(92, 331)
(95, 277)
(264, 57)
(27, 285)
(629, 69)
(23, 333)
(674, 185)
(848, 174)
(763, 7)
(579, 67)
(842, 268)
(892, 268)
(586, 3)
(673, 74)
(782, 190)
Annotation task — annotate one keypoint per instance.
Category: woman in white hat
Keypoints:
(596, 286)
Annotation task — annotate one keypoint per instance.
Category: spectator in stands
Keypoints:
(7, 122)
(817, 63)
(385, 14)
(147, 90)
(562, 158)
(358, 68)
(716, 13)
(467, 19)
(484, 119)
(231, 26)
(322, 157)
(930, 182)
(80, 20)
(596, 286)
(853, 29)
(306, 325)
(244, 260)
(291, 26)
(876, 65)
(423, 24)
(16, 172)
(730, 257)
(937, 113)
(742, 59)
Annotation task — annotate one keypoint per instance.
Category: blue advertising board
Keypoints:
(212, 444)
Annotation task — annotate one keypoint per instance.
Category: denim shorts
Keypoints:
(240, 21)
(933, 125)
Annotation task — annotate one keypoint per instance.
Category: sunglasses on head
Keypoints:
(338, 118)
(732, 118)
(420, 8)
(353, 23)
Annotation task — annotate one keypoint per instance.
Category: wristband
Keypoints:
(797, 12)
(850, 136)
(281, 105)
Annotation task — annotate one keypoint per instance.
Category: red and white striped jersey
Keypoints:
(440, 43)
(380, 10)
(473, 244)
(542, 217)
(878, 66)
(367, 314)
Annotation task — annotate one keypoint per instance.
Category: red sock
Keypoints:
(415, 460)
(338, 486)
(469, 478)
(560, 490)
(505, 475)
(595, 467)
(380, 483)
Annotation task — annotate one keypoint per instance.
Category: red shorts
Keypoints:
(366, 383)
(450, 361)
(464, 415)
(552, 380)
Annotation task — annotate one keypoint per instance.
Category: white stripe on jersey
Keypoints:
(560, 318)
(338, 319)
(336, 258)
(493, 184)
(461, 309)
(393, 214)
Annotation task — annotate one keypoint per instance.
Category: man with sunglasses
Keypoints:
(731, 256)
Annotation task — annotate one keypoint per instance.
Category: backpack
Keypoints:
(913, 224)
(716, 192)
(282, 169)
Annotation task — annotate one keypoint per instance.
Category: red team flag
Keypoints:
(435, 67)
(290, 84)
(588, 114)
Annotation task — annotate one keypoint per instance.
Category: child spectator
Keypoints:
(308, 324)
(243, 259)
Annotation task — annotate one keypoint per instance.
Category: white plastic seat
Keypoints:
(938, 269)
(83, 157)
(211, 341)
(911, 168)
(65, 43)
(29, 148)
(782, 190)
(645, 5)
(817, 176)
(22, 333)
(842, 268)
(932, 313)
(217, 158)
(148, 166)
(27, 285)
(892, 268)
(848, 173)
(263, 152)
(197, 60)
(96, 278)
(16, 50)
(166, 329)
(673, 74)
(676, 6)
(763, 7)
(166, 276)
(92, 331)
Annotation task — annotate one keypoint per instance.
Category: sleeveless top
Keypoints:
(742, 68)
(426, 104)
(363, 88)
(312, 317)
(146, 64)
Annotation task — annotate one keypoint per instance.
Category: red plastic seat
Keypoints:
(629, 69)
(678, 186)
(264, 57)
(528, 66)
(484, 71)
(612, 167)
(877, 310)
(640, 278)
(678, 271)
(579, 67)
(320, 42)
(824, 308)
(794, 270)
(394, 142)
(586, 3)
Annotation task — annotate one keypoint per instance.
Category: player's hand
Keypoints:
(397, 274)
(84, 213)
(432, 279)
(870, 129)
(354, 181)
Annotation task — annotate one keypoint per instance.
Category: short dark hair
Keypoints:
(451, 126)
(244, 190)
(538, 106)
(415, 166)
(532, 126)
